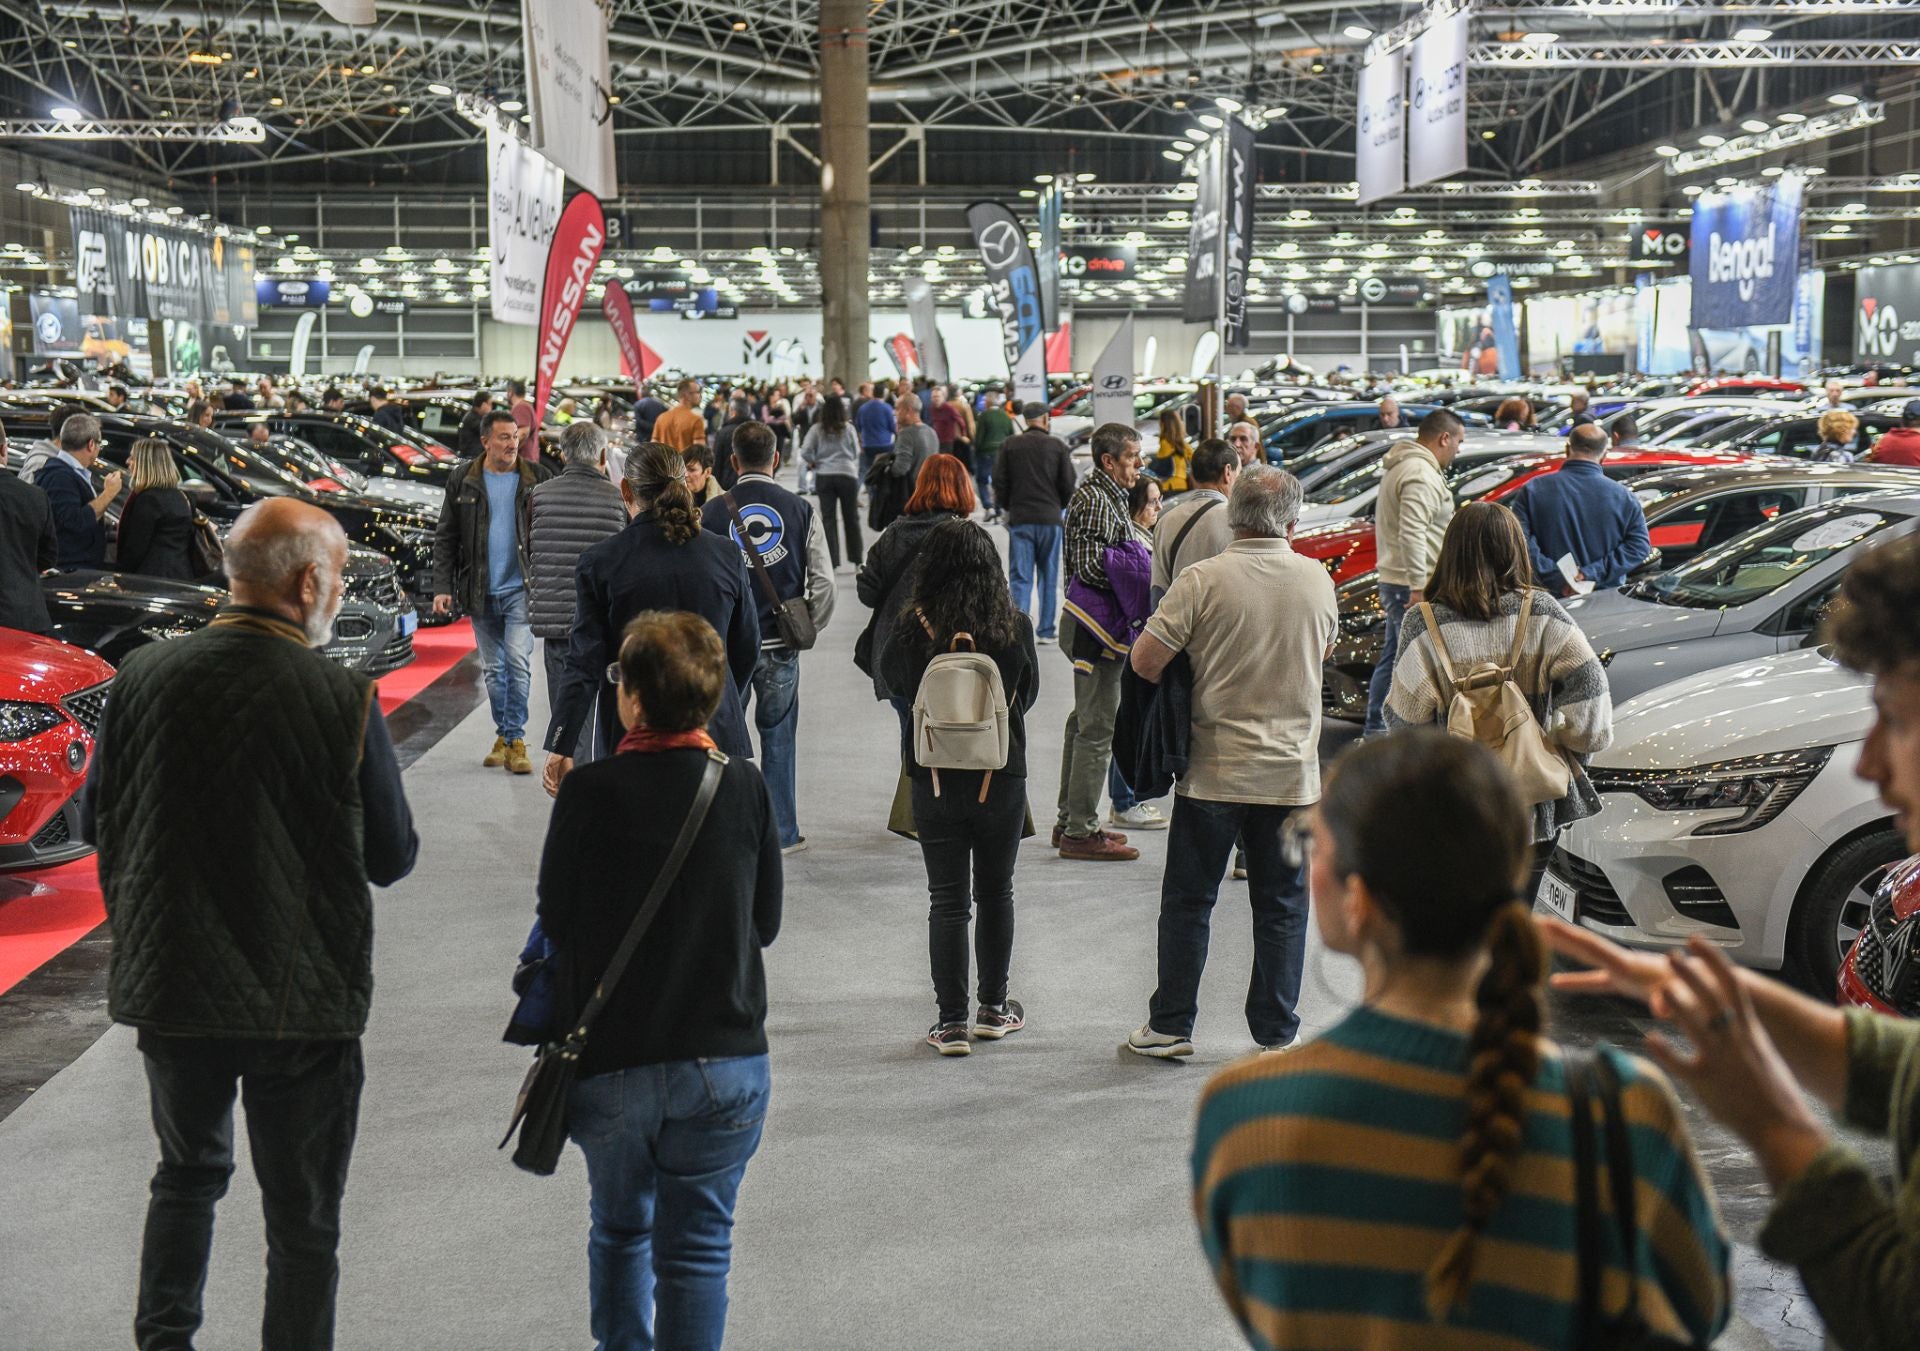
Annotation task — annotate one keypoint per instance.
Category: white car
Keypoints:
(1732, 811)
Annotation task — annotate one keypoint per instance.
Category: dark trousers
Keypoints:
(957, 832)
(303, 1104)
(553, 652)
(843, 489)
(1199, 843)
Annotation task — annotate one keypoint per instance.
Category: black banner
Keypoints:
(1011, 273)
(1102, 262)
(1240, 170)
(1203, 240)
(130, 269)
(1052, 204)
(1660, 243)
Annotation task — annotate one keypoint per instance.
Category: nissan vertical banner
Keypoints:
(1437, 104)
(577, 242)
(1380, 161)
(570, 88)
(1745, 254)
(1202, 303)
(524, 192)
(617, 306)
(1013, 278)
(1238, 141)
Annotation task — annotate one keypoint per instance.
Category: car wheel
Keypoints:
(1833, 907)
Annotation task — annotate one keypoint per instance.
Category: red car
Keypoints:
(51, 698)
(1882, 969)
(1347, 547)
(1760, 385)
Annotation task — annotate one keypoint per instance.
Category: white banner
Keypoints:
(1437, 102)
(569, 89)
(302, 336)
(1379, 159)
(1030, 373)
(523, 206)
(1113, 379)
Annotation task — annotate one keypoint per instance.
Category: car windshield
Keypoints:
(1347, 486)
(1729, 433)
(1763, 560)
(312, 464)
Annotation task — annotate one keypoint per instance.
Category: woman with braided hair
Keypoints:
(1405, 1180)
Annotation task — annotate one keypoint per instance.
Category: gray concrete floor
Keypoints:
(1033, 1195)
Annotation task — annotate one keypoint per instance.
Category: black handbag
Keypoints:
(206, 555)
(1592, 1078)
(792, 620)
(540, 1109)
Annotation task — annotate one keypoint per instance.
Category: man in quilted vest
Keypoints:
(248, 967)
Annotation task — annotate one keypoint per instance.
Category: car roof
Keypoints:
(1774, 471)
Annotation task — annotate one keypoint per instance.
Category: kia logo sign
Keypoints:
(1000, 245)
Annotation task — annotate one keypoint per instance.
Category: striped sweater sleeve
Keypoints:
(1579, 698)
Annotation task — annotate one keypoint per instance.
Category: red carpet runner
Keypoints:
(46, 911)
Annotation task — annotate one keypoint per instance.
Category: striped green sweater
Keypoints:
(1326, 1182)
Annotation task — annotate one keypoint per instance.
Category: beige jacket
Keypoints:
(1411, 515)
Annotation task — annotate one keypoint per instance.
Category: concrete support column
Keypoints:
(844, 189)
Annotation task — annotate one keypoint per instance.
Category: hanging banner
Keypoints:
(302, 336)
(1240, 171)
(524, 191)
(617, 306)
(134, 270)
(1887, 314)
(1113, 378)
(1052, 204)
(1379, 155)
(570, 89)
(1012, 276)
(577, 242)
(1506, 338)
(1745, 254)
(1437, 107)
(1202, 303)
(924, 316)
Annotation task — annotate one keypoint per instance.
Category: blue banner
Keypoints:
(310, 293)
(1506, 338)
(1746, 254)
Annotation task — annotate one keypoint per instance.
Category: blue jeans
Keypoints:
(1393, 600)
(776, 713)
(1035, 549)
(666, 1147)
(1117, 789)
(983, 475)
(1199, 842)
(505, 640)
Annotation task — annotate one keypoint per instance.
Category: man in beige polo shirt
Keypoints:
(1255, 622)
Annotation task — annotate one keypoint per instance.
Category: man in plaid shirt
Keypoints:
(1097, 519)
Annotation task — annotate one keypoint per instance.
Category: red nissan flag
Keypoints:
(617, 305)
(571, 258)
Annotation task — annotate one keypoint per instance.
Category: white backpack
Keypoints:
(960, 713)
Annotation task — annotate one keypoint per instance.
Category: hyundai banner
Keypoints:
(524, 191)
(1012, 278)
(1745, 254)
(1202, 304)
(1886, 315)
(570, 89)
(1113, 378)
(1437, 104)
(1239, 166)
(130, 269)
(1379, 160)
(575, 252)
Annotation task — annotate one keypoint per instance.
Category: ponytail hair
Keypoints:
(657, 477)
(1432, 823)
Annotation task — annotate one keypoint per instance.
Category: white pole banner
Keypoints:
(1030, 373)
(1113, 379)
(302, 336)
(363, 359)
(1437, 106)
(570, 89)
(523, 207)
(1379, 159)
(350, 11)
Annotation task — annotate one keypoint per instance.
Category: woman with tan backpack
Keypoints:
(1487, 648)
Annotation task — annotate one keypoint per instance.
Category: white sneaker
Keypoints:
(1158, 1045)
(1140, 816)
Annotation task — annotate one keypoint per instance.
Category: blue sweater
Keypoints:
(1578, 510)
(875, 420)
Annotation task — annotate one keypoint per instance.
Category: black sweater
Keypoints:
(905, 659)
(155, 529)
(696, 986)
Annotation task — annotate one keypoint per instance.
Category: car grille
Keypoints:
(88, 707)
(54, 833)
(1887, 960)
(380, 588)
(393, 656)
(1598, 900)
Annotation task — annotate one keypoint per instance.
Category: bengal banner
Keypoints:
(574, 253)
(617, 305)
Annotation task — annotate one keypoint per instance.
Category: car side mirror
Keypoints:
(1649, 565)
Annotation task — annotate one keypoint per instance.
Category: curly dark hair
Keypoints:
(961, 588)
(1874, 625)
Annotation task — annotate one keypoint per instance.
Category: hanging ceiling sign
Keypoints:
(570, 89)
(1745, 254)
(130, 269)
(1099, 262)
(524, 191)
(1437, 106)
(1379, 152)
(1659, 244)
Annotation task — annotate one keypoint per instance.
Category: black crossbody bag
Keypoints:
(792, 620)
(1591, 1078)
(540, 1110)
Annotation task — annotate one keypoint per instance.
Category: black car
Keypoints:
(359, 441)
(1790, 434)
(115, 613)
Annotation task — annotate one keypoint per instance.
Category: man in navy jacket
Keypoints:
(1580, 511)
(67, 480)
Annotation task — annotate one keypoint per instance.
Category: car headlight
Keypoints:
(165, 630)
(20, 721)
(1759, 786)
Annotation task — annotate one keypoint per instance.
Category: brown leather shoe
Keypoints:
(1060, 833)
(498, 755)
(517, 762)
(1101, 847)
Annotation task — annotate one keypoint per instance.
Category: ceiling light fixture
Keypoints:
(1359, 32)
(1540, 39)
(1844, 100)
(1227, 105)
(1792, 119)
(1713, 142)
(1718, 151)
(1209, 121)
(511, 105)
(66, 114)
(443, 90)
(1752, 34)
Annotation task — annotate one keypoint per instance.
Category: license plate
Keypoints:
(409, 621)
(1557, 897)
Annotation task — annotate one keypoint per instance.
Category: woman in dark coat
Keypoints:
(156, 525)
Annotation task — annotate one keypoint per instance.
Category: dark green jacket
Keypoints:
(227, 812)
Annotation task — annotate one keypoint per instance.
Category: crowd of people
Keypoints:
(1424, 1175)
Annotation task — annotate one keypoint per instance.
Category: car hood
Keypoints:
(1616, 622)
(123, 596)
(1330, 541)
(43, 670)
(1778, 703)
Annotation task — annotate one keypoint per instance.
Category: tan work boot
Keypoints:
(498, 755)
(517, 762)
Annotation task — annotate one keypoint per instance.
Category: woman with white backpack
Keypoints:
(969, 658)
(1487, 639)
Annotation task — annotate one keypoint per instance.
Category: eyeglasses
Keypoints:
(613, 673)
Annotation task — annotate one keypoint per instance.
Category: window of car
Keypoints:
(1806, 615)
(1690, 530)
(1761, 561)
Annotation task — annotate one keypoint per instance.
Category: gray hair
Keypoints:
(78, 430)
(267, 559)
(1265, 501)
(909, 403)
(581, 445)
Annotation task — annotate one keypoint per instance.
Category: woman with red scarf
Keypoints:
(673, 1085)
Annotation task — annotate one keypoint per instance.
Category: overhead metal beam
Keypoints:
(1686, 54)
(238, 131)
